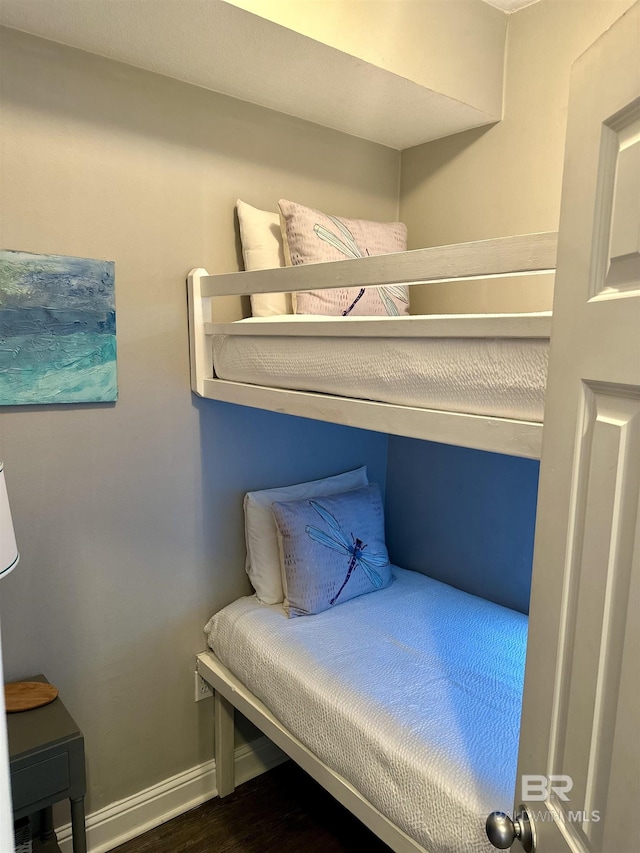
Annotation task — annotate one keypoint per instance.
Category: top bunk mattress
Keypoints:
(402, 692)
(492, 375)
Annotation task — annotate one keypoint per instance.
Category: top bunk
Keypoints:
(476, 380)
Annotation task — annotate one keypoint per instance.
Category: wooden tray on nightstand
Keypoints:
(26, 695)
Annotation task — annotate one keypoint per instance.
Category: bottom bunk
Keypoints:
(404, 704)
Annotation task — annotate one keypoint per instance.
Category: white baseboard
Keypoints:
(128, 818)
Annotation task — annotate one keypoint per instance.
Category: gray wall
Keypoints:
(505, 179)
(129, 516)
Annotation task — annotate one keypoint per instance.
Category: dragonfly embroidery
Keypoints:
(348, 246)
(338, 541)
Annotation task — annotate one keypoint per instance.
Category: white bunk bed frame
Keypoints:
(531, 254)
(511, 256)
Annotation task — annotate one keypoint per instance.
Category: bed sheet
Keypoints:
(496, 377)
(412, 693)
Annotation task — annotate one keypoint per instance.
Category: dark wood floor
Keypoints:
(282, 810)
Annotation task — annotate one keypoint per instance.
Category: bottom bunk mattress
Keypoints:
(494, 376)
(412, 693)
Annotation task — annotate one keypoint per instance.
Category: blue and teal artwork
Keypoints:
(57, 330)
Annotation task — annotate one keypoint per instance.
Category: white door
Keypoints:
(6, 809)
(579, 761)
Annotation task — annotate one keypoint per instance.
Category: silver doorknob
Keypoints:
(502, 831)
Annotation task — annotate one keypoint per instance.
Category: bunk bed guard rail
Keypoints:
(530, 254)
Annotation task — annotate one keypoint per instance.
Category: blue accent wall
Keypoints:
(463, 516)
(243, 449)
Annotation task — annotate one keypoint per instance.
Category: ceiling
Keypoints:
(510, 6)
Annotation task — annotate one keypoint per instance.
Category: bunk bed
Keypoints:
(486, 389)
(421, 778)
(580, 640)
(410, 751)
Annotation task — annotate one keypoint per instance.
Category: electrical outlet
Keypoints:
(203, 688)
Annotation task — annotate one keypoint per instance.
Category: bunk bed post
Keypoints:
(224, 731)
(199, 342)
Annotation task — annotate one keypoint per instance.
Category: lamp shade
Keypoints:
(8, 549)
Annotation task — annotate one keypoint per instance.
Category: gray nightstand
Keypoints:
(46, 758)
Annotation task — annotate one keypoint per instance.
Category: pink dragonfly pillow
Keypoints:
(310, 237)
(331, 549)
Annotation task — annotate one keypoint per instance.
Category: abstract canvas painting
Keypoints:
(57, 329)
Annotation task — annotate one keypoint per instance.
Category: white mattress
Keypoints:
(412, 693)
(500, 377)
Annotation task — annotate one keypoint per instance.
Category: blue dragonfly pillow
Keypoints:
(331, 549)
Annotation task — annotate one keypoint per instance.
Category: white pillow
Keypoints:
(261, 239)
(263, 554)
